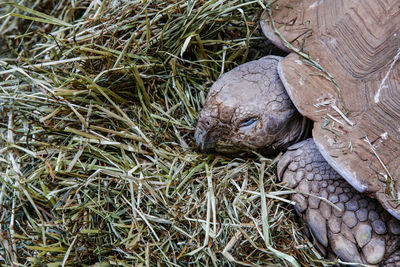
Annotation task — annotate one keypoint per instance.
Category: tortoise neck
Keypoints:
(298, 128)
(305, 131)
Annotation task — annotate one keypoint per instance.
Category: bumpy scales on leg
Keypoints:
(353, 225)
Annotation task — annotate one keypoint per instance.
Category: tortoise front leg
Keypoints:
(355, 227)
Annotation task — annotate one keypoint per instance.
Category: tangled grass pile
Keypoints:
(98, 104)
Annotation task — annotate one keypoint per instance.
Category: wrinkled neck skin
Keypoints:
(297, 129)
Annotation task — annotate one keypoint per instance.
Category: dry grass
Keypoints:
(98, 104)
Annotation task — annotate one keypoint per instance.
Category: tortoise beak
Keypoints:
(204, 140)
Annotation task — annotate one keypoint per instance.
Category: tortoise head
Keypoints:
(248, 109)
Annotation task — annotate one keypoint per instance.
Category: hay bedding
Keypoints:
(98, 103)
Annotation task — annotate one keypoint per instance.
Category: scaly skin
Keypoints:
(358, 229)
(248, 109)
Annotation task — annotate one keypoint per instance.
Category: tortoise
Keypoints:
(341, 82)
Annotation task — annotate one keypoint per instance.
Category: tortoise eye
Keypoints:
(248, 122)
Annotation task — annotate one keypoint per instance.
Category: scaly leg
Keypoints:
(358, 229)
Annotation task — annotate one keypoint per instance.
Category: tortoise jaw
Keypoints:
(208, 140)
(204, 140)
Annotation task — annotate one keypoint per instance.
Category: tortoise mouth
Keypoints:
(230, 149)
(205, 140)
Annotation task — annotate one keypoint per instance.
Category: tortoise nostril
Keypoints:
(204, 125)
